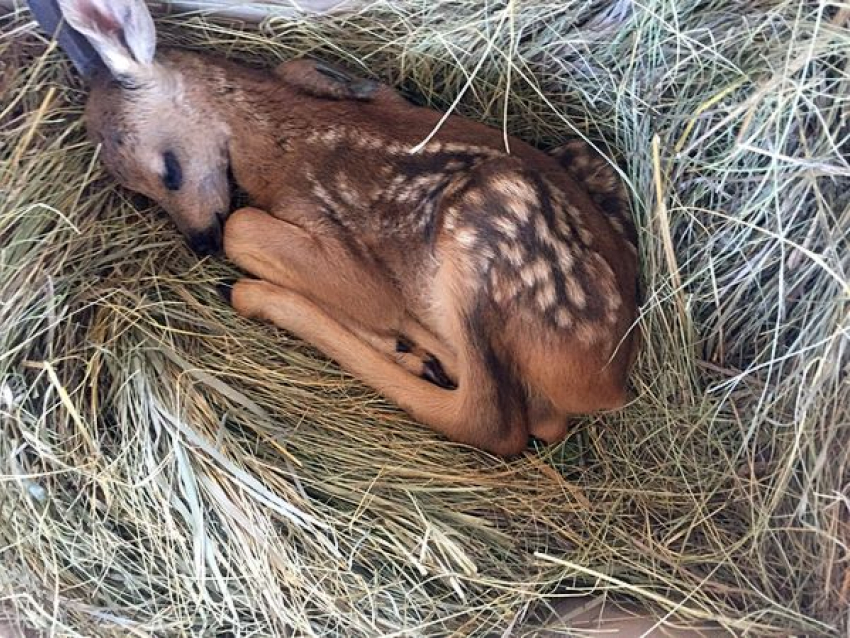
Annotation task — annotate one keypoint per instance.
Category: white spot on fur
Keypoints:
(544, 234)
(348, 193)
(566, 258)
(324, 196)
(575, 293)
(542, 269)
(506, 226)
(584, 235)
(512, 252)
(546, 295)
(466, 237)
(474, 199)
(496, 286)
(563, 318)
(520, 197)
(616, 225)
(461, 149)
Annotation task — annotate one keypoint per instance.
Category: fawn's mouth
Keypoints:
(208, 242)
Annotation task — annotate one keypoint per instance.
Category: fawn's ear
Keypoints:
(47, 13)
(121, 31)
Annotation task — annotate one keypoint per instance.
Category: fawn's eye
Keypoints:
(172, 178)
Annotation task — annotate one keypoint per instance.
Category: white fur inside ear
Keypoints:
(122, 31)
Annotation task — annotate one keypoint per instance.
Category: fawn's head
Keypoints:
(158, 133)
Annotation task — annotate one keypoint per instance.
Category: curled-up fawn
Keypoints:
(490, 295)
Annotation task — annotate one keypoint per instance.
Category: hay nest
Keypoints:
(167, 467)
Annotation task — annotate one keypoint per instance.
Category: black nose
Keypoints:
(208, 241)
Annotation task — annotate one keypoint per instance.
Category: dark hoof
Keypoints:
(225, 291)
(432, 370)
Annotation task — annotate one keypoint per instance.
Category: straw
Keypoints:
(168, 468)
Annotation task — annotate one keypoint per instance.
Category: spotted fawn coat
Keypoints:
(490, 295)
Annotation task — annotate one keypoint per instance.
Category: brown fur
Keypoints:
(518, 276)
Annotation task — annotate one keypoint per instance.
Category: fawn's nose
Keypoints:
(209, 240)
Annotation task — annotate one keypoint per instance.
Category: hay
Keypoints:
(166, 467)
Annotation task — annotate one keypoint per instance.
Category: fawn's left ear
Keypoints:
(83, 55)
(122, 32)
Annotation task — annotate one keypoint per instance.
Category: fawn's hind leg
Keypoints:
(409, 355)
(468, 414)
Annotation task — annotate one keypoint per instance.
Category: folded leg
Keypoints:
(323, 268)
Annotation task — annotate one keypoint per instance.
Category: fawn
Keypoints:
(490, 295)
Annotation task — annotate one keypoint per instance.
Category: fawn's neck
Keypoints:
(253, 105)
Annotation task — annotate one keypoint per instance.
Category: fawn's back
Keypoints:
(507, 281)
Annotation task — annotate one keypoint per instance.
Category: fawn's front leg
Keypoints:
(322, 268)
(314, 264)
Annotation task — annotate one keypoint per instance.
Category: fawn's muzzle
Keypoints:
(209, 240)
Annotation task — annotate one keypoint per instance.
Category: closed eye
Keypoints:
(172, 178)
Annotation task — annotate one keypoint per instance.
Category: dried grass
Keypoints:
(169, 468)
